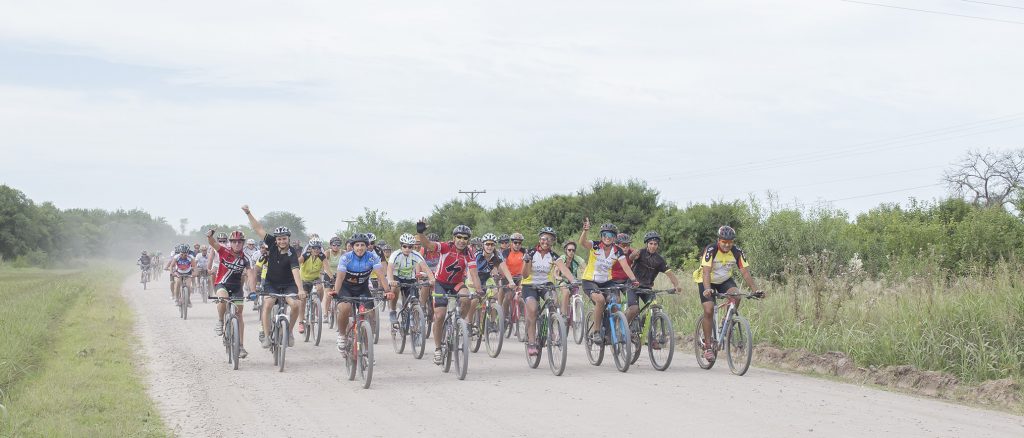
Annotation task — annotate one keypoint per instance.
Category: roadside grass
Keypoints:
(66, 357)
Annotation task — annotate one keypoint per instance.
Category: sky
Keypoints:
(190, 109)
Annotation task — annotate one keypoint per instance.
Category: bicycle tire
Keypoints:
(595, 351)
(576, 312)
(417, 329)
(494, 325)
(557, 345)
(225, 337)
(477, 335)
(400, 331)
(660, 333)
(635, 341)
(365, 361)
(534, 361)
(461, 352)
(318, 322)
(184, 301)
(520, 311)
(282, 327)
(447, 344)
(739, 344)
(428, 320)
(375, 323)
(236, 342)
(698, 344)
(621, 348)
(352, 354)
(274, 342)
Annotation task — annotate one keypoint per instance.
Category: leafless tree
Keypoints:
(987, 178)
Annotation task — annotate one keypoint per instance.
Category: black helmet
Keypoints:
(433, 237)
(382, 244)
(282, 231)
(222, 236)
(624, 238)
(504, 238)
(360, 237)
(652, 235)
(462, 229)
(726, 232)
(609, 227)
(335, 240)
(547, 230)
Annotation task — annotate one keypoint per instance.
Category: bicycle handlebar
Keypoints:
(748, 295)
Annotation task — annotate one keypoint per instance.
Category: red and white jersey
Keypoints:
(231, 267)
(453, 264)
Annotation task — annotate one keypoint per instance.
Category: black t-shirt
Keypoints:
(280, 265)
(647, 267)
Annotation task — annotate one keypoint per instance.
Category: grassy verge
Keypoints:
(66, 363)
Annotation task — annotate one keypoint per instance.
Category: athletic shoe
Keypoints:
(242, 353)
(302, 328)
(264, 341)
(219, 329)
(437, 356)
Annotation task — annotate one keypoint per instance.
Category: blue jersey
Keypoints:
(357, 269)
(484, 265)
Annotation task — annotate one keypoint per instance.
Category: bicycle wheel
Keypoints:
(534, 361)
(447, 345)
(225, 338)
(428, 321)
(205, 290)
(595, 350)
(375, 324)
(698, 345)
(576, 313)
(661, 341)
(461, 352)
(282, 329)
(399, 331)
(634, 338)
(330, 317)
(621, 346)
(184, 301)
(306, 317)
(739, 343)
(494, 329)
(317, 326)
(556, 345)
(236, 341)
(417, 331)
(520, 312)
(365, 359)
(476, 333)
(352, 354)
(275, 342)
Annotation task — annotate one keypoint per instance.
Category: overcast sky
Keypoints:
(191, 108)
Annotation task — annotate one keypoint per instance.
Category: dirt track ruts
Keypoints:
(199, 395)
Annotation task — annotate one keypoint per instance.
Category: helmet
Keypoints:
(250, 242)
(726, 233)
(236, 235)
(652, 235)
(462, 229)
(335, 240)
(282, 231)
(143, 252)
(372, 237)
(547, 230)
(222, 236)
(382, 244)
(609, 227)
(316, 243)
(566, 244)
(183, 248)
(516, 236)
(503, 238)
(360, 237)
(624, 238)
(433, 237)
(489, 237)
(475, 241)
(407, 239)
(314, 236)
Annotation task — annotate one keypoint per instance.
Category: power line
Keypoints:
(933, 12)
(472, 194)
(993, 4)
(886, 192)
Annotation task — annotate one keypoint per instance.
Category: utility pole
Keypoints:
(472, 194)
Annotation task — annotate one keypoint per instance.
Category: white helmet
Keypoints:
(407, 239)
(250, 242)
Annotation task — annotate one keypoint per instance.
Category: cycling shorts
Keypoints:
(721, 288)
(234, 292)
(633, 296)
(530, 291)
(442, 290)
(357, 290)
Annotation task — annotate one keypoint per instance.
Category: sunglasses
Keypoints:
(725, 242)
(335, 245)
(488, 243)
(570, 250)
(609, 234)
(406, 246)
(517, 242)
(461, 237)
(222, 241)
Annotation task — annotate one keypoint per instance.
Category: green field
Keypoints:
(66, 357)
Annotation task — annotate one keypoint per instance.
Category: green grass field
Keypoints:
(66, 361)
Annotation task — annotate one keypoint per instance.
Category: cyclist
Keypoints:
(404, 265)
(715, 275)
(311, 267)
(504, 243)
(183, 264)
(452, 266)
(202, 258)
(538, 264)
(354, 281)
(514, 262)
(647, 264)
(574, 263)
(623, 240)
(487, 260)
(213, 265)
(598, 273)
(144, 262)
(282, 275)
(431, 258)
(230, 274)
(330, 265)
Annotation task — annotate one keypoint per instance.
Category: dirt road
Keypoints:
(200, 396)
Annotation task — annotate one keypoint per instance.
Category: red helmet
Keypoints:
(236, 235)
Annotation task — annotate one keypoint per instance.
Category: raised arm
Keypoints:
(421, 227)
(213, 242)
(584, 242)
(254, 224)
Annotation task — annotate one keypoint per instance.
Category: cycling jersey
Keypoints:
(514, 261)
(183, 264)
(311, 266)
(541, 265)
(647, 267)
(252, 254)
(332, 258)
(357, 269)
(231, 267)
(279, 265)
(380, 255)
(485, 265)
(453, 264)
(144, 260)
(599, 264)
(431, 257)
(721, 263)
(574, 265)
(618, 273)
(201, 260)
(404, 266)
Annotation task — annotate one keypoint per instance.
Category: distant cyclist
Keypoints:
(715, 275)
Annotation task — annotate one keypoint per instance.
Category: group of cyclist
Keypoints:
(438, 269)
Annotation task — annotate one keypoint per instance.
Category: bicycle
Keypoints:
(203, 288)
(551, 331)
(516, 322)
(359, 353)
(653, 327)
(488, 324)
(576, 313)
(279, 329)
(733, 331)
(314, 314)
(144, 274)
(411, 321)
(455, 337)
(231, 337)
(613, 330)
(184, 296)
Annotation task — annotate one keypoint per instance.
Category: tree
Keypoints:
(294, 223)
(183, 225)
(987, 179)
